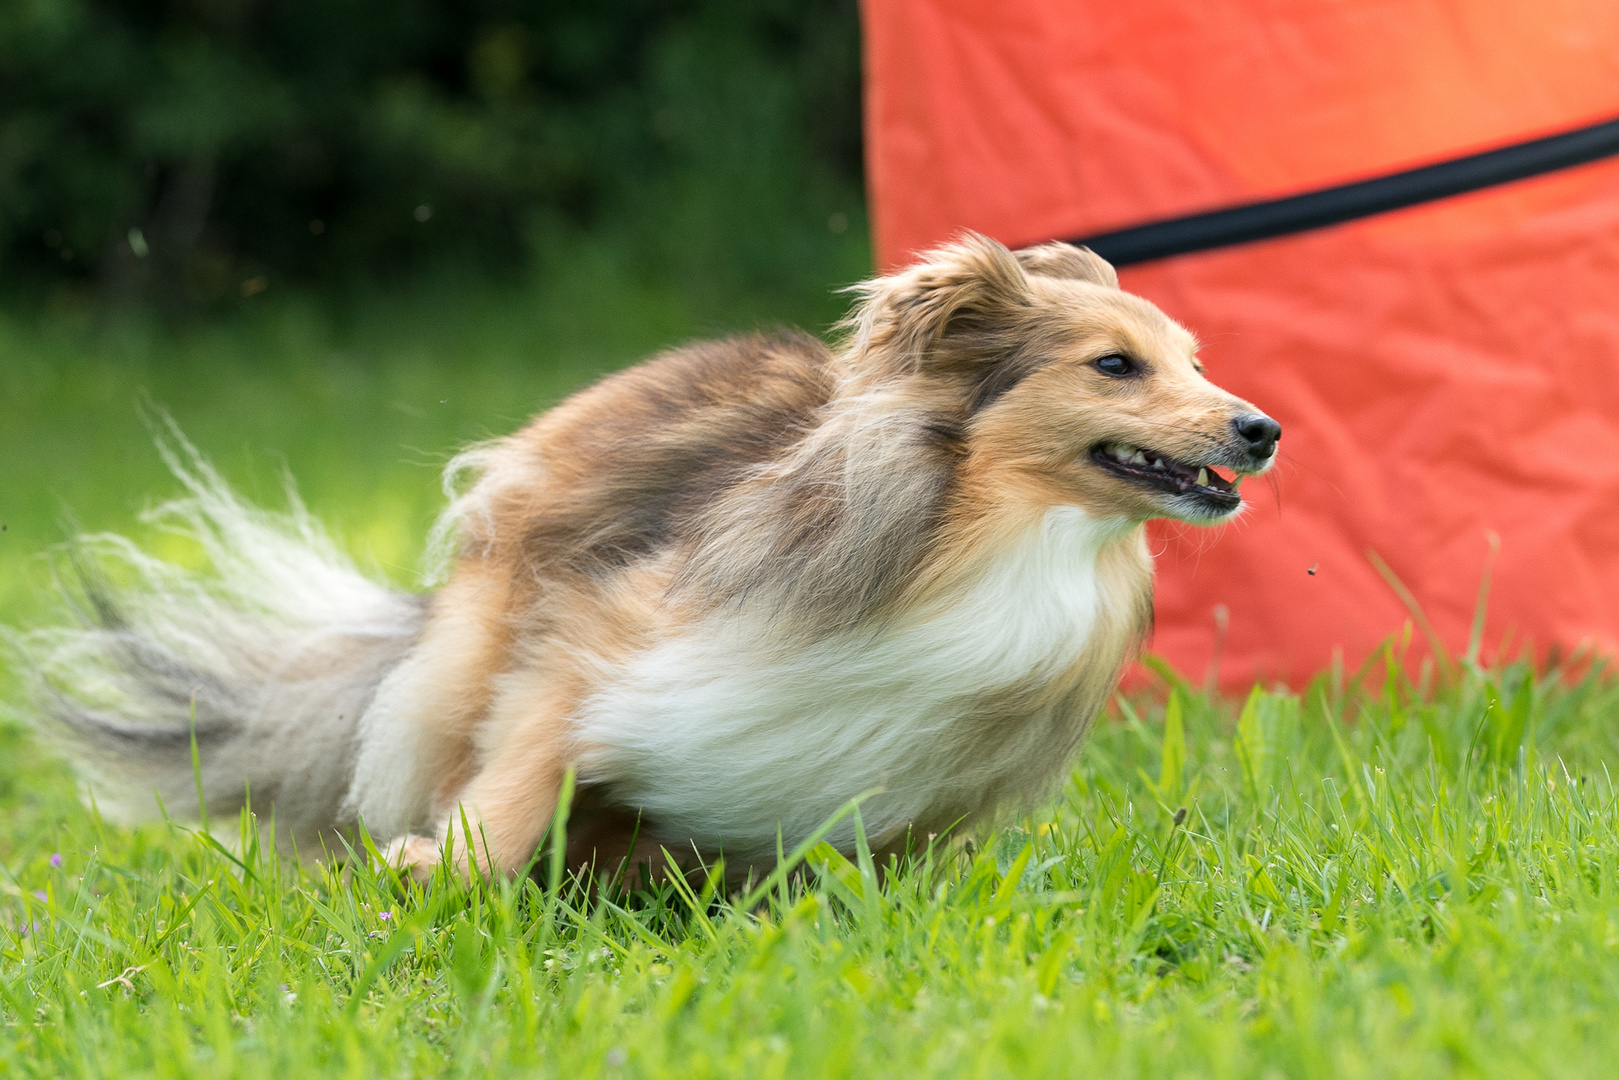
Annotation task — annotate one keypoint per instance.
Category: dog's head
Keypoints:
(1089, 395)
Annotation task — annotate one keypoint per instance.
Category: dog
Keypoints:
(715, 596)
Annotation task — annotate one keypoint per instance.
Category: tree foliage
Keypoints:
(192, 149)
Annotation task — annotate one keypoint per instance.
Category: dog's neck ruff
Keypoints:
(950, 709)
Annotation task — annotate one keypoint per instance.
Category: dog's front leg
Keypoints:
(497, 826)
(498, 820)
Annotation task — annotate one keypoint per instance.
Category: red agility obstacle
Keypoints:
(1393, 225)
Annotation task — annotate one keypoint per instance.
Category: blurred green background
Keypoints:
(343, 238)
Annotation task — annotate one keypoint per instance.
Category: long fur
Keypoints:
(694, 731)
(265, 661)
(730, 588)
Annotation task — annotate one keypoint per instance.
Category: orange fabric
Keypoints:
(1440, 372)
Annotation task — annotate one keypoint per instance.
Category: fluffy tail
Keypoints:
(265, 665)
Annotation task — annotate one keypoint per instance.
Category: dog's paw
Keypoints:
(414, 855)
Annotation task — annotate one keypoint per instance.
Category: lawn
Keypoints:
(1408, 871)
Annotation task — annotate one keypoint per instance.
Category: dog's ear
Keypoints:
(1060, 260)
(967, 293)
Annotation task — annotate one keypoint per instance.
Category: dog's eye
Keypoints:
(1117, 366)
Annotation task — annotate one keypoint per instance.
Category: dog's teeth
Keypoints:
(1138, 458)
(1158, 463)
(1203, 478)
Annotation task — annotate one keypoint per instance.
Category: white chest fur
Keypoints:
(718, 739)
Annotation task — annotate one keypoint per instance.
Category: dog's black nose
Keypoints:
(1259, 431)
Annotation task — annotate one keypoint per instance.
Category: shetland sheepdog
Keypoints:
(722, 593)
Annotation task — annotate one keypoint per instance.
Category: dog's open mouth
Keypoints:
(1158, 471)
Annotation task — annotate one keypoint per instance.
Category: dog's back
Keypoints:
(626, 466)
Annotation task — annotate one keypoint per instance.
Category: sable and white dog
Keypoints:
(731, 588)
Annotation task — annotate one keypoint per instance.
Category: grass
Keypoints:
(1369, 881)
(1412, 871)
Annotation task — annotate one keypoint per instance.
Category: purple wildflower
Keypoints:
(39, 894)
(385, 915)
(56, 859)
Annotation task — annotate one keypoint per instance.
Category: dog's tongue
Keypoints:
(1197, 476)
